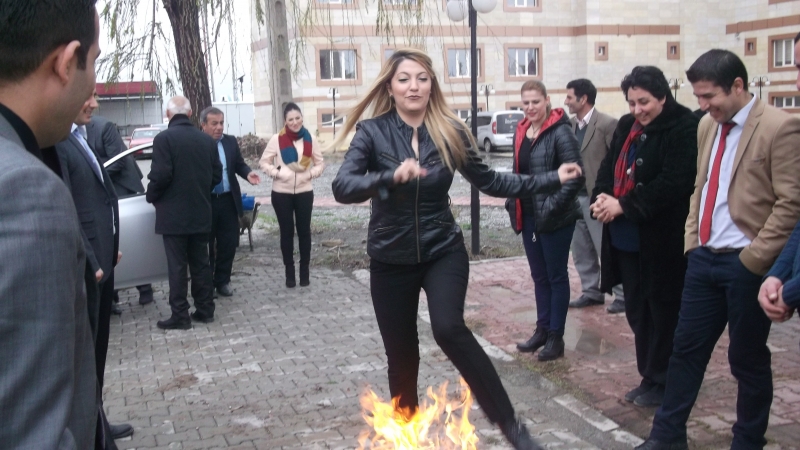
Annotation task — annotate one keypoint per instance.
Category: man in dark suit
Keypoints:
(125, 175)
(49, 389)
(226, 200)
(184, 170)
(594, 130)
(96, 203)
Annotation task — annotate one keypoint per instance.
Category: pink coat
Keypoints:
(284, 179)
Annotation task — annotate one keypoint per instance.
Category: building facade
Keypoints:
(345, 42)
(130, 104)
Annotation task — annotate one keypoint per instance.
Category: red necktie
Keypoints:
(713, 186)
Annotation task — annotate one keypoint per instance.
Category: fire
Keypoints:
(441, 425)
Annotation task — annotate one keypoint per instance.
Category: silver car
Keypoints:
(143, 258)
(496, 129)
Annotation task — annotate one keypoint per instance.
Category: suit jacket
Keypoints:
(764, 194)
(96, 203)
(106, 142)
(48, 386)
(595, 145)
(184, 170)
(236, 166)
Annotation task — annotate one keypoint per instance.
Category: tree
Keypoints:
(141, 45)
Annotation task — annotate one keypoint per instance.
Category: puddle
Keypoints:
(585, 341)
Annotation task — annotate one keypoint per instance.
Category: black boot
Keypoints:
(517, 434)
(536, 341)
(304, 277)
(290, 281)
(554, 348)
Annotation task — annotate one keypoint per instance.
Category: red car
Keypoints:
(143, 136)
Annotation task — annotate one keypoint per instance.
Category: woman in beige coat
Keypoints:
(293, 158)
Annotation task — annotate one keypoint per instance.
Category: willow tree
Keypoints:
(141, 43)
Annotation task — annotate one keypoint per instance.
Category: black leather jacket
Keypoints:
(412, 223)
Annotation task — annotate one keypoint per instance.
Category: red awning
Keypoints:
(127, 88)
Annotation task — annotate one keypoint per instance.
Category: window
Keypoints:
(521, 3)
(783, 49)
(523, 62)
(750, 47)
(387, 53)
(458, 64)
(464, 114)
(327, 121)
(601, 51)
(673, 50)
(337, 64)
(335, 2)
(399, 2)
(786, 102)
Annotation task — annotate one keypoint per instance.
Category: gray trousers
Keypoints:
(586, 245)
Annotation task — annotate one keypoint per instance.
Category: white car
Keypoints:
(144, 260)
(496, 129)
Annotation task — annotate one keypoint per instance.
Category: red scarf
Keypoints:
(623, 176)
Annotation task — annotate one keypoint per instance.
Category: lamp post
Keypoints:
(487, 89)
(458, 10)
(759, 81)
(333, 94)
(675, 84)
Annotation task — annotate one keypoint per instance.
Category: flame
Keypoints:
(441, 425)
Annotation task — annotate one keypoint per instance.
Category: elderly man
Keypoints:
(49, 395)
(226, 200)
(184, 170)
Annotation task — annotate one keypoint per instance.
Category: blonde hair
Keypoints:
(445, 128)
(536, 85)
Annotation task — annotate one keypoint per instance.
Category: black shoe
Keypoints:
(304, 276)
(554, 348)
(585, 301)
(197, 317)
(616, 307)
(645, 386)
(225, 290)
(652, 398)
(536, 341)
(174, 323)
(290, 281)
(120, 431)
(115, 310)
(518, 435)
(652, 444)
(145, 298)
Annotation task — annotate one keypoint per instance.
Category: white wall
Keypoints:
(239, 118)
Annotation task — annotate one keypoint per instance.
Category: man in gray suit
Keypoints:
(594, 130)
(98, 209)
(48, 386)
(125, 175)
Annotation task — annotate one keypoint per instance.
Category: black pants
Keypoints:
(224, 237)
(652, 321)
(103, 326)
(191, 250)
(294, 210)
(143, 289)
(719, 291)
(395, 297)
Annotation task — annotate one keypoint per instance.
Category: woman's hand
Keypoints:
(407, 171)
(569, 171)
(606, 208)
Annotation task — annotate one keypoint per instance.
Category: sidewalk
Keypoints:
(600, 364)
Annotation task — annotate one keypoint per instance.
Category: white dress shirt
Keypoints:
(582, 123)
(725, 233)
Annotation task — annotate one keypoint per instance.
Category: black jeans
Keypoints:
(719, 291)
(652, 321)
(395, 297)
(191, 250)
(294, 210)
(224, 238)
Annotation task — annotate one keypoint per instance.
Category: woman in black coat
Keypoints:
(543, 140)
(642, 196)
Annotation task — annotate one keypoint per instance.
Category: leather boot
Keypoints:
(554, 348)
(536, 341)
(290, 281)
(304, 276)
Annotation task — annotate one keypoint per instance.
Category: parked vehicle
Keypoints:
(496, 129)
(141, 136)
(143, 258)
